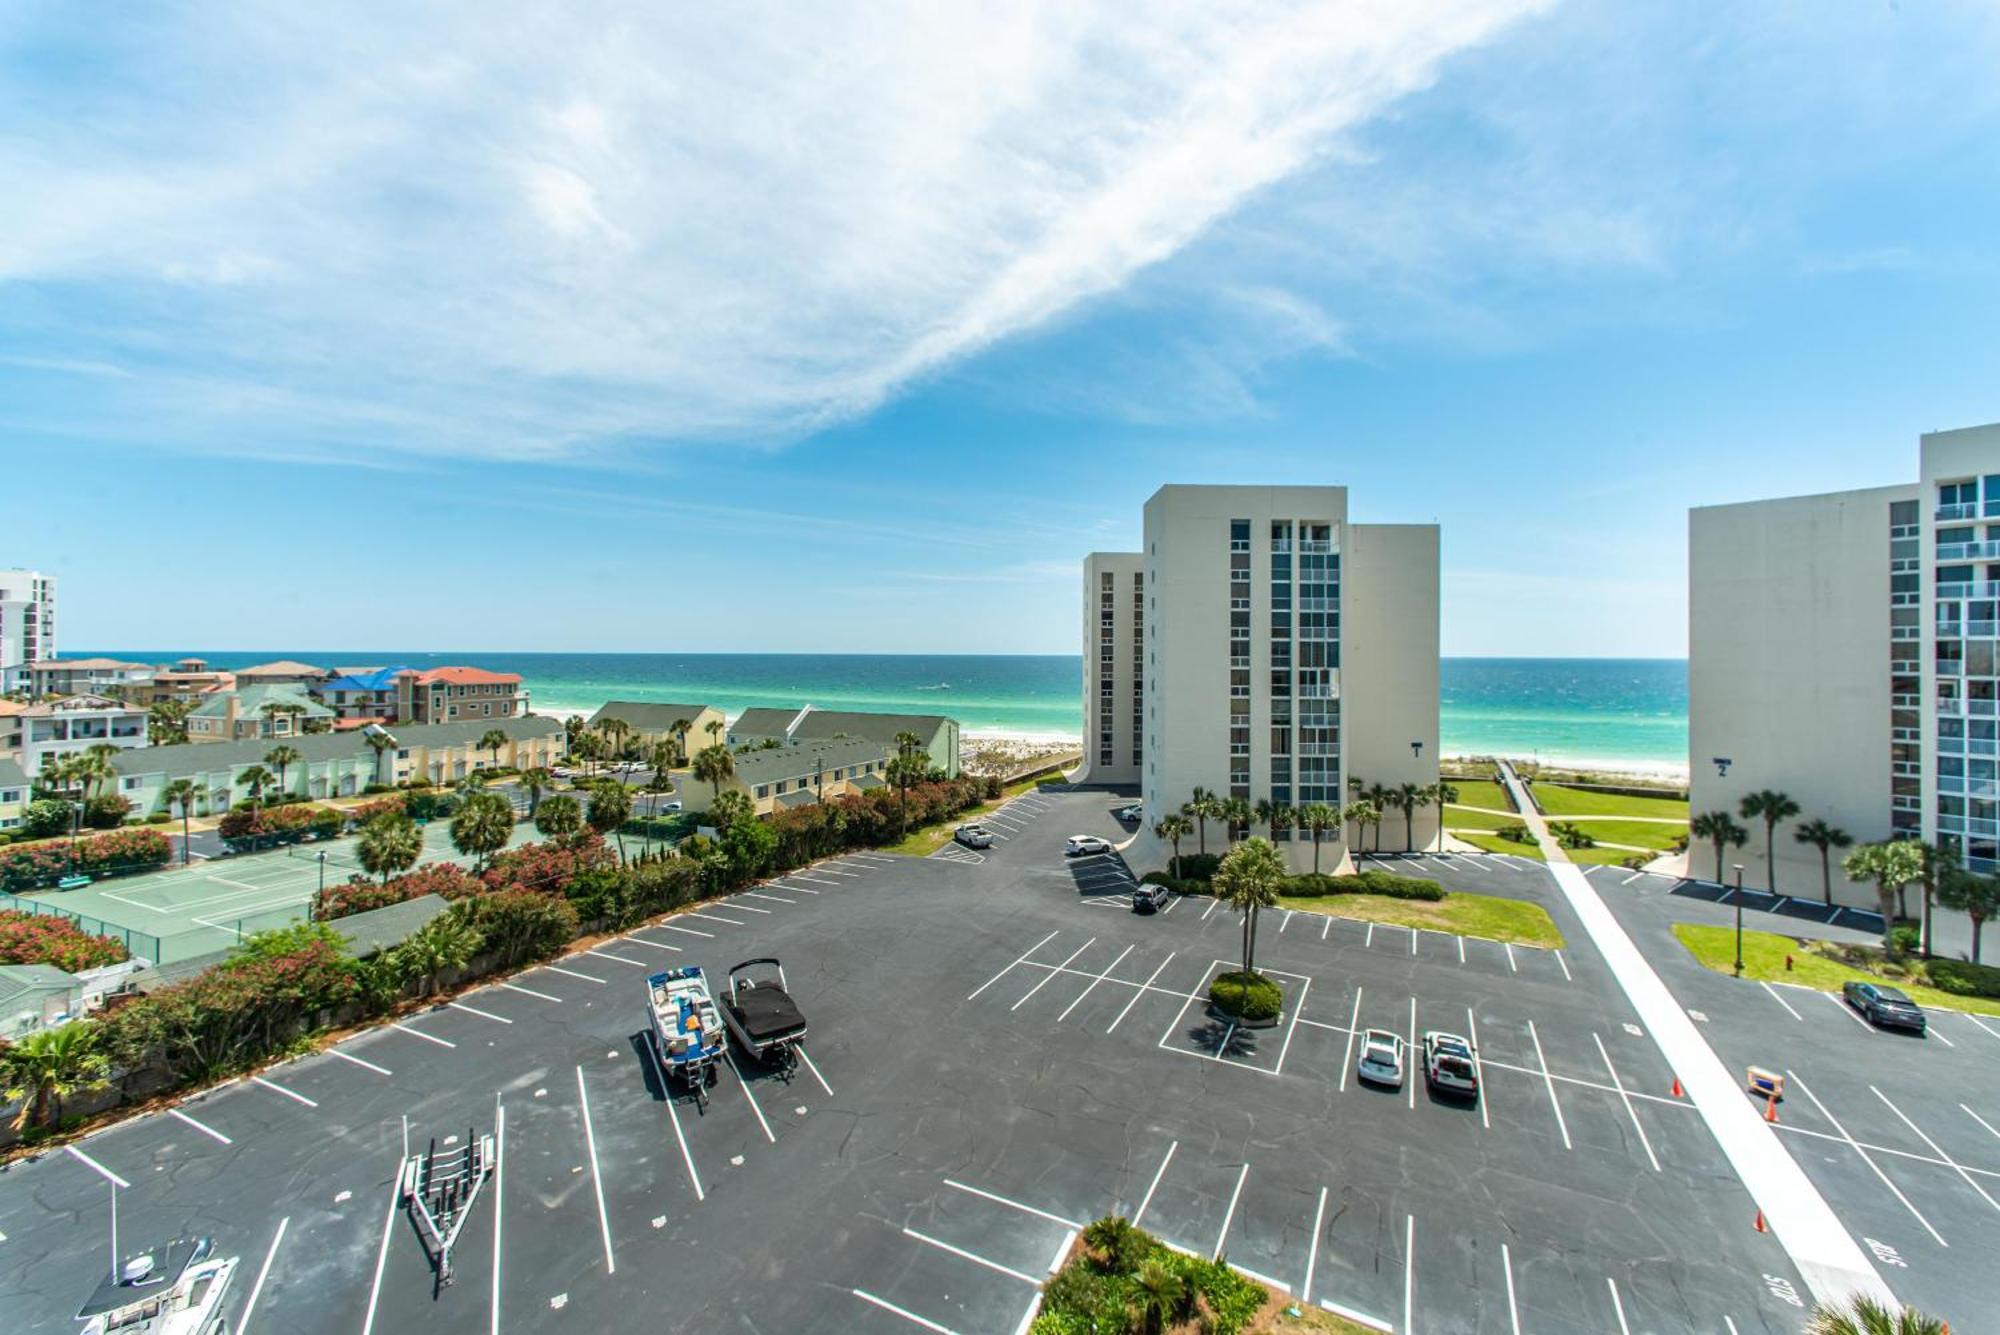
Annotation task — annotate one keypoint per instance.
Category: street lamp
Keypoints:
(1739, 918)
(322, 873)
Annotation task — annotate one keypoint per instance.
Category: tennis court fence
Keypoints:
(206, 935)
(142, 945)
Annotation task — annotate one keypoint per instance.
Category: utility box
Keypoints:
(1764, 1084)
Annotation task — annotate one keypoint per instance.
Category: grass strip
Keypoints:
(1558, 800)
(1487, 916)
(1764, 960)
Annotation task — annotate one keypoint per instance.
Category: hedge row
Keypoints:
(1370, 882)
(268, 827)
(1247, 996)
(33, 866)
(32, 938)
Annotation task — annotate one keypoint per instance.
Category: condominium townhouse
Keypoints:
(53, 729)
(14, 793)
(361, 694)
(336, 764)
(800, 774)
(653, 723)
(256, 711)
(936, 734)
(10, 727)
(445, 694)
(27, 624)
(188, 681)
(283, 672)
(79, 676)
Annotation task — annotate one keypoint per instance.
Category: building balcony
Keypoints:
(1968, 551)
(1963, 510)
(1969, 825)
(1973, 589)
(1957, 785)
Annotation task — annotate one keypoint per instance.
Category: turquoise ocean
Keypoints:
(1594, 710)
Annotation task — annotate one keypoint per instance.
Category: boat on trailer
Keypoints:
(175, 1288)
(760, 1012)
(688, 1035)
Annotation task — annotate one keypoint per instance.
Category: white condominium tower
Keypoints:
(1842, 650)
(27, 624)
(1260, 646)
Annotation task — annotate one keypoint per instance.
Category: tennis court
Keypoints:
(209, 905)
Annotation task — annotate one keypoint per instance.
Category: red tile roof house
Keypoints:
(459, 695)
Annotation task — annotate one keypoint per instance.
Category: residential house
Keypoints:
(652, 723)
(10, 727)
(442, 752)
(14, 793)
(36, 996)
(358, 694)
(937, 734)
(788, 776)
(448, 694)
(188, 682)
(283, 672)
(27, 624)
(53, 729)
(85, 676)
(257, 710)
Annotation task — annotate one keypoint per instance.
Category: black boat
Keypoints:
(761, 1014)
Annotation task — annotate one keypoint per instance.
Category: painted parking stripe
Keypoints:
(1141, 990)
(97, 1167)
(202, 1127)
(1052, 973)
(685, 931)
(1478, 1068)
(360, 1061)
(1154, 1186)
(418, 1033)
(1093, 984)
(1004, 972)
(1982, 1121)
(292, 1094)
(1618, 1306)
(1874, 1167)
(715, 917)
(1555, 1103)
(474, 1010)
(673, 1117)
(1567, 978)
(1312, 1254)
(1848, 1011)
(998, 1199)
(530, 992)
(872, 857)
(730, 1057)
(622, 959)
(1411, 1080)
(904, 1313)
(973, 1257)
(1781, 1001)
(388, 1228)
(1298, 1007)
(1626, 1100)
(596, 1177)
(1513, 1310)
(1936, 1149)
(791, 888)
(1984, 1027)
(1461, 950)
(656, 945)
(800, 1049)
(828, 869)
(1222, 1236)
(1510, 957)
(263, 1273)
(1347, 1057)
(752, 908)
(557, 968)
(1409, 1272)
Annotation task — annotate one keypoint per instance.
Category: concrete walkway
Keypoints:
(1832, 1264)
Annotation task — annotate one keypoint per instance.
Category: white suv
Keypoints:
(1450, 1066)
(1080, 844)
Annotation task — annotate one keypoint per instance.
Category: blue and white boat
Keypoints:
(688, 1033)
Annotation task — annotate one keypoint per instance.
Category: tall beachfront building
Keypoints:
(1261, 646)
(27, 624)
(1844, 649)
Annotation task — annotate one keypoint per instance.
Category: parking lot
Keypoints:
(1002, 1051)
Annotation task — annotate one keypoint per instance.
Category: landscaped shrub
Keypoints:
(520, 925)
(107, 812)
(1516, 833)
(1248, 996)
(1567, 835)
(548, 868)
(45, 819)
(269, 827)
(361, 893)
(1097, 1292)
(1199, 866)
(363, 812)
(1963, 979)
(1370, 882)
(31, 938)
(159, 818)
(29, 866)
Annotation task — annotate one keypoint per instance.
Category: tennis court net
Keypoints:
(314, 853)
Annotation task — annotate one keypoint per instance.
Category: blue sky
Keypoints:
(620, 328)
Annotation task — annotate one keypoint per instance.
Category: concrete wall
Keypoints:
(1788, 671)
(1389, 664)
(1126, 664)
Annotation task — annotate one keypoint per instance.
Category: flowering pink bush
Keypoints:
(548, 868)
(30, 866)
(362, 893)
(30, 938)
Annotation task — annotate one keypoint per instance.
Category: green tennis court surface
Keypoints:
(181, 912)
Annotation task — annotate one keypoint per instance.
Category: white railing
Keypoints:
(1974, 589)
(1968, 551)
(1962, 510)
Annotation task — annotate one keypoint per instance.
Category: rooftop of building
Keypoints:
(364, 679)
(381, 929)
(468, 676)
(804, 760)
(82, 703)
(316, 748)
(810, 724)
(251, 700)
(649, 716)
(283, 667)
(87, 665)
(11, 774)
(24, 980)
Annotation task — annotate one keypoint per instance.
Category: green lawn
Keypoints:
(928, 840)
(1641, 833)
(1483, 793)
(1607, 857)
(1493, 843)
(1556, 800)
(1764, 959)
(1477, 818)
(1486, 916)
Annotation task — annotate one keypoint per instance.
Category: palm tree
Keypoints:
(1825, 838)
(1173, 827)
(255, 779)
(1159, 1291)
(1444, 793)
(380, 742)
(1977, 897)
(714, 730)
(905, 771)
(389, 843)
(573, 728)
(713, 764)
(1248, 881)
(166, 722)
(1364, 814)
(1939, 861)
(1772, 807)
(271, 711)
(481, 827)
(47, 1066)
(536, 781)
(1316, 818)
(282, 758)
(1283, 817)
(680, 728)
(495, 741)
(1202, 808)
(444, 943)
(660, 761)
(182, 793)
(559, 818)
(1264, 811)
(1718, 828)
(1862, 1315)
(1236, 815)
(1383, 800)
(616, 732)
(1409, 797)
(1891, 866)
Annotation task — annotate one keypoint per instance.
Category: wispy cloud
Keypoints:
(553, 231)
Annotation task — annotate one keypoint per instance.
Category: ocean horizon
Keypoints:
(1611, 712)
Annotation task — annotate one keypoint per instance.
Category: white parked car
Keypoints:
(1381, 1061)
(1450, 1066)
(973, 836)
(1080, 844)
(674, 805)
(1130, 815)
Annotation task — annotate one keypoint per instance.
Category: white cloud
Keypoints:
(537, 232)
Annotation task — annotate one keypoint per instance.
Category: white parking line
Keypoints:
(1553, 1103)
(250, 1303)
(1141, 991)
(716, 917)
(684, 931)
(1876, 1168)
(731, 1059)
(1984, 1027)
(904, 1313)
(1154, 1186)
(1212, 905)
(622, 959)
(530, 992)
(288, 1093)
(1847, 1010)
(359, 1061)
(771, 899)
(1411, 1078)
(1981, 1120)
(998, 1199)
(1461, 950)
(205, 1129)
(1004, 972)
(1409, 1273)
(749, 908)
(1312, 1255)
(657, 945)
(1369, 939)
(786, 884)
(1478, 1068)
(499, 1201)
(973, 1257)
(1936, 1149)
(474, 1010)
(1045, 977)
(1510, 956)
(1630, 1111)
(1229, 1214)
(800, 1049)
(667, 1092)
(1781, 1001)
(1347, 1057)
(97, 1167)
(590, 1143)
(1292, 1028)
(1633, 877)
(388, 1227)
(418, 1033)
(1565, 966)
(557, 968)
(828, 869)
(1513, 1311)
(1618, 1306)
(1093, 985)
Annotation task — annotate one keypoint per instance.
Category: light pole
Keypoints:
(322, 873)
(1739, 918)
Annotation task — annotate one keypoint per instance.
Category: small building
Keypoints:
(283, 672)
(54, 729)
(443, 752)
(361, 693)
(653, 724)
(255, 711)
(10, 727)
(187, 682)
(375, 930)
(27, 624)
(788, 776)
(36, 996)
(452, 694)
(937, 734)
(80, 676)
(14, 791)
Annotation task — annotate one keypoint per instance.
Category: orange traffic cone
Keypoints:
(1760, 1222)
(1771, 1109)
(1676, 1091)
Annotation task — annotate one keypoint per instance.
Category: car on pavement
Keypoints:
(1131, 815)
(1381, 1060)
(973, 836)
(1080, 844)
(1149, 898)
(1449, 1065)
(1884, 1007)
